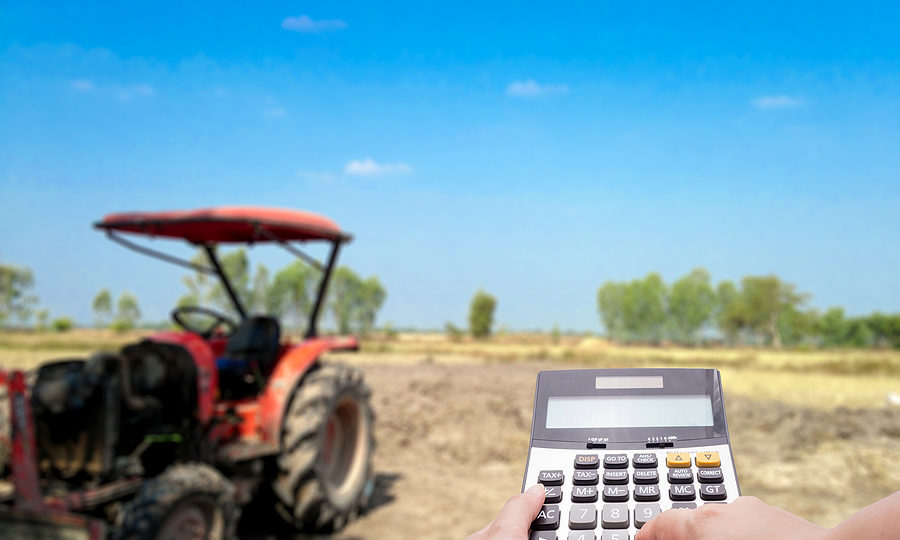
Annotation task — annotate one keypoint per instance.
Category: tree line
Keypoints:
(759, 310)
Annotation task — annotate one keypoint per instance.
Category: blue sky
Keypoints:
(533, 150)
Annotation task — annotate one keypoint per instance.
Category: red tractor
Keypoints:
(172, 436)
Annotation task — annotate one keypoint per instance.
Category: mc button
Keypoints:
(587, 461)
(678, 459)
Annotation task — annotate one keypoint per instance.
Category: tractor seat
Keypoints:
(255, 342)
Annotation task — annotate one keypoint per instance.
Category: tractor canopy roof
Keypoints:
(235, 224)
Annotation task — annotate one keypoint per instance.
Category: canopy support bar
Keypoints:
(159, 255)
(312, 331)
(211, 254)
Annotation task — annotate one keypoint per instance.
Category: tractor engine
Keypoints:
(114, 415)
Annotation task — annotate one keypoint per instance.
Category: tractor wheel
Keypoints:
(324, 477)
(192, 501)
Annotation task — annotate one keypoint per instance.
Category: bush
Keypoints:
(62, 324)
(121, 325)
(481, 314)
(453, 332)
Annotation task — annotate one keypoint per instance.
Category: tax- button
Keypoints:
(551, 478)
(708, 459)
(678, 459)
(585, 478)
(587, 461)
(547, 519)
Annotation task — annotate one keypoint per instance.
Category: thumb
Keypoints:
(520, 510)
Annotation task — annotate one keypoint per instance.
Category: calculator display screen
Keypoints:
(628, 411)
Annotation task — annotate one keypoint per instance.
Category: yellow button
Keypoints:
(708, 459)
(678, 459)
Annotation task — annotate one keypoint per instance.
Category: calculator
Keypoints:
(615, 447)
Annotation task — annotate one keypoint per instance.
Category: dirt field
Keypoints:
(810, 430)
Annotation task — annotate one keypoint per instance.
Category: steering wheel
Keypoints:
(181, 317)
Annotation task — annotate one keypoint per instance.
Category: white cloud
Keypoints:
(369, 167)
(529, 88)
(306, 25)
(275, 112)
(777, 102)
(83, 85)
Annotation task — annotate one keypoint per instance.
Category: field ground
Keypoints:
(811, 430)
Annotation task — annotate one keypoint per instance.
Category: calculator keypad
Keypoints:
(635, 487)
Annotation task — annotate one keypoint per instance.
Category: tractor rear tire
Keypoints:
(192, 501)
(324, 478)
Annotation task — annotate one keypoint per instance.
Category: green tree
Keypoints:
(730, 314)
(885, 329)
(611, 305)
(372, 297)
(644, 308)
(259, 291)
(832, 327)
(236, 267)
(102, 306)
(290, 298)
(42, 319)
(17, 299)
(128, 313)
(691, 304)
(763, 300)
(346, 291)
(481, 314)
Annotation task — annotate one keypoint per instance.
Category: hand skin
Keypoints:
(514, 520)
(748, 518)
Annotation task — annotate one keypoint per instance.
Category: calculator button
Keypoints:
(712, 492)
(689, 506)
(585, 478)
(551, 478)
(646, 493)
(647, 476)
(708, 459)
(614, 516)
(583, 516)
(615, 461)
(644, 513)
(644, 461)
(614, 535)
(710, 476)
(682, 492)
(587, 461)
(584, 494)
(581, 535)
(681, 476)
(612, 478)
(552, 494)
(615, 493)
(678, 459)
(542, 535)
(547, 519)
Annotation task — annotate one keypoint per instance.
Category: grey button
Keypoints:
(547, 519)
(614, 516)
(710, 476)
(614, 535)
(684, 505)
(646, 476)
(543, 535)
(682, 492)
(615, 461)
(644, 461)
(644, 513)
(712, 492)
(583, 494)
(615, 477)
(587, 461)
(681, 476)
(615, 493)
(552, 494)
(646, 493)
(583, 516)
(585, 478)
(582, 535)
(551, 478)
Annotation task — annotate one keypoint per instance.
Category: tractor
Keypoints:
(175, 435)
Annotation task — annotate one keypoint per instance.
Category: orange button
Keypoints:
(678, 459)
(708, 459)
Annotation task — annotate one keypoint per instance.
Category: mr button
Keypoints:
(587, 461)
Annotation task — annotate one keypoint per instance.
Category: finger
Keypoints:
(519, 511)
(669, 524)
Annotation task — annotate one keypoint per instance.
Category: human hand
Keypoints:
(514, 519)
(747, 518)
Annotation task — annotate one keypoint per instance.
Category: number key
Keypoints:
(614, 535)
(581, 535)
(583, 516)
(644, 513)
(614, 516)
